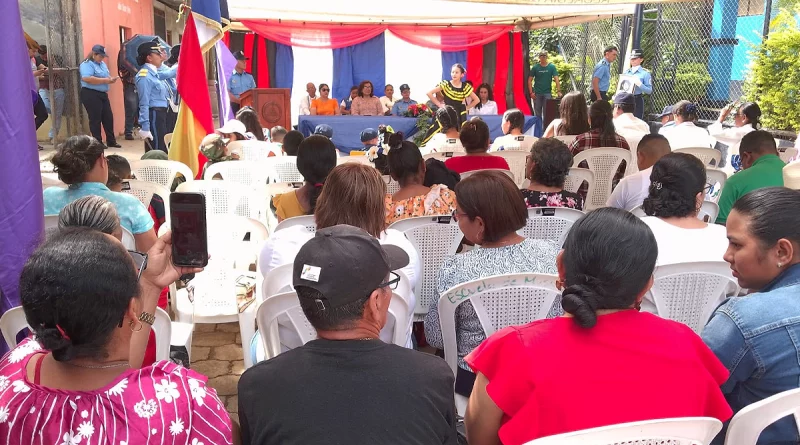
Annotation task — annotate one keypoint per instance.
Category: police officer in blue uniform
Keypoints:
(601, 76)
(240, 81)
(153, 95)
(165, 72)
(644, 81)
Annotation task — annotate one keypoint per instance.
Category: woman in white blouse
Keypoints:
(486, 106)
(685, 133)
(746, 119)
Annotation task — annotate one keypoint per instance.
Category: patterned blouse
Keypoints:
(440, 200)
(160, 404)
(531, 256)
(563, 198)
(366, 106)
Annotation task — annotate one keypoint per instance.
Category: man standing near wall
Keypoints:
(601, 77)
(540, 84)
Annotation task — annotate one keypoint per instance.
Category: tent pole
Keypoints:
(638, 21)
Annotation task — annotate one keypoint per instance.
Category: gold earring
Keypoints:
(130, 325)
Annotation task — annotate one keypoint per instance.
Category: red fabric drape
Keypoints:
(520, 96)
(248, 51)
(314, 35)
(226, 38)
(450, 38)
(503, 49)
(475, 65)
(262, 63)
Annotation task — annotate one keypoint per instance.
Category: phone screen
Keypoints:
(189, 235)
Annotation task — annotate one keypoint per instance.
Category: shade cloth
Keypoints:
(347, 129)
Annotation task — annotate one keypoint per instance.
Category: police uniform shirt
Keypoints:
(168, 74)
(240, 83)
(644, 76)
(603, 72)
(153, 93)
(90, 68)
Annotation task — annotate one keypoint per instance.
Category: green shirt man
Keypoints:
(765, 171)
(540, 82)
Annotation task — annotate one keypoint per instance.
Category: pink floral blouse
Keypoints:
(159, 404)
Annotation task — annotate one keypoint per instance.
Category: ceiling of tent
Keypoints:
(430, 12)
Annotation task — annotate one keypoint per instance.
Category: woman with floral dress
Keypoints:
(546, 169)
(413, 199)
(72, 382)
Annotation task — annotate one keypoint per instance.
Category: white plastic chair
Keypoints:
(162, 173)
(306, 221)
(277, 281)
(747, 424)
(253, 151)
(50, 225)
(225, 198)
(392, 186)
(516, 145)
(689, 292)
(499, 301)
(13, 321)
(434, 238)
(715, 176)
(508, 173)
(708, 209)
(50, 182)
(550, 223)
(284, 169)
(788, 154)
(678, 431)
(566, 139)
(576, 177)
(704, 154)
(443, 155)
(604, 163)
(516, 163)
(128, 240)
(144, 191)
(168, 139)
(248, 173)
(357, 159)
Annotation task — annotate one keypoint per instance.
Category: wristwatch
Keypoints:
(147, 318)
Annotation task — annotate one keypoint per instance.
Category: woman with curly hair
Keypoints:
(546, 169)
(685, 133)
(574, 117)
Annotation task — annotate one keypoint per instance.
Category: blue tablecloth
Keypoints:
(347, 129)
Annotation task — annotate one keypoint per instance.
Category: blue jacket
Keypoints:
(153, 92)
(757, 337)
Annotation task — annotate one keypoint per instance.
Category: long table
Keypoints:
(347, 129)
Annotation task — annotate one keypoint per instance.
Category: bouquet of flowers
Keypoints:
(423, 114)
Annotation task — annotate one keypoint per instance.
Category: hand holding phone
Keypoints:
(189, 229)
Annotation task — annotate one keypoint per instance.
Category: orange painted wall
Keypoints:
(100, 22)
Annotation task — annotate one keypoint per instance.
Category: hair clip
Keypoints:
(657, 185)
(63, 334)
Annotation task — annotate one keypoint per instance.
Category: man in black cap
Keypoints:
(624, 120)
(667, 119)
(401, 106)
(239, 82)
(347, 386)
(643, 80)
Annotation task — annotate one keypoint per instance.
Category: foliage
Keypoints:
(774, 78)
(549, 39)
(424, 120)
(691, 81)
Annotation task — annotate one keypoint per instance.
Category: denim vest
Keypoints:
(757, 338)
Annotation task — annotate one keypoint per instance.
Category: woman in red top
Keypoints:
(474, 137)
(603, 363)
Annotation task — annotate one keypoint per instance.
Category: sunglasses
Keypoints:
(139, 261)
(457, 215)
(324, 90)
(391, 284)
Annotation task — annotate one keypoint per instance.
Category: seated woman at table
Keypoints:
(487, 105)
(489, 212)
(574, 117)
(623, 365)
(546, 169)
(88, 302)
(513, 123)
(316, 157)
(446, 138)
(475, 138)
(413, 199)
(324, 105)
(366, 104)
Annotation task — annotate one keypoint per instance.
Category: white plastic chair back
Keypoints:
(251, 174)
(550, 223)
(50, 182)
(356, 159)
(708, 156)
(50, 225)
(604, 163)
(708, 209)
(228, 232)
(499, 301)
(222, 197)
(443, 155)
(278, 280)
(633, 138)
(678, 431)
(11, 323)
(452, 144)
(162, 327)
(516, 163)
(576, 177)
(434, 238)
(566, 139)
(392, 186)
(508, 173)
(160, 172)
(279, 188)
(168, 139)
(747, 424)
(128, 240)
(715, 182)
(689, 292)
(788, 154)
(519, 143)
(285, 169)
(253, 151)
(306, 221)
(144, 191)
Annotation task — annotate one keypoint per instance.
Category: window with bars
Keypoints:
(750, 7)
(160, 23)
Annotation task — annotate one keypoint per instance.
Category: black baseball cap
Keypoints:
(152, 47)
(637, 54)
(404, 87)
(239, 55)
(99, 49)
(624, 99)
(344, 264)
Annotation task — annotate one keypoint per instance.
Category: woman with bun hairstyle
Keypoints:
(622, 365)
(90, 305)
(316, 157)
(445, 138)
(685, 133)
(80, 162)
(474, 137)
(407, 167)
(746, 118)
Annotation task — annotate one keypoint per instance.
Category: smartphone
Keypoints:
(189, 229)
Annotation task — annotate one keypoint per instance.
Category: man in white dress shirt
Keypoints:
(624, 104)
(633, 189)
(305, 102)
